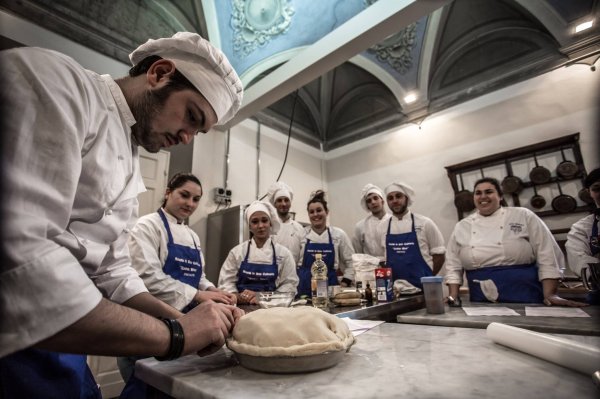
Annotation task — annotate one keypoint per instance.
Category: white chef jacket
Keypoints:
(71, 180)
(578, 249)
(341, 244)
(148, 247)
(510, 236)
(287, 279)
(429, 236)
(366, 239)
(289, 235)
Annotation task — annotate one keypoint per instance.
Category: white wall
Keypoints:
(556, 104)
(302, 169)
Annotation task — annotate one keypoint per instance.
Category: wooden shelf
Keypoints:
(506, 161)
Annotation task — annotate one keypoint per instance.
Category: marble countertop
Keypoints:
(456, 317)
(390, 360)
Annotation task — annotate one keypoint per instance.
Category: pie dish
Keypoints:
(288, 340)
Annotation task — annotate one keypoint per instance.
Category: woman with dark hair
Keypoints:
(331, 242)
(166, 252)
(508, 253)
(259, 264)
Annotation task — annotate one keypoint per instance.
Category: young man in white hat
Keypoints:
(71, 178)
(290, 233)
(413, 244)
(366, 239)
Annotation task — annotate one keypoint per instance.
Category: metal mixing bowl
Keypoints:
(274, 299)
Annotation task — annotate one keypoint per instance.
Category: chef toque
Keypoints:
(403, 188)
(267, 208)
(279, 189)
(369, 189)
(205, 66)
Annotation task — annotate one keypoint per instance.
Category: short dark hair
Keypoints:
(495, 183)
(319, 197)
(177, 81)
(178, 180)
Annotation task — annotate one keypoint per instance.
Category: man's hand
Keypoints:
(208, 325)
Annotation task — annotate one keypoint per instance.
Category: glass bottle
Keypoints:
(319, 285)
(369, 293)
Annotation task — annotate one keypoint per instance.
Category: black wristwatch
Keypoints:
(454, 302)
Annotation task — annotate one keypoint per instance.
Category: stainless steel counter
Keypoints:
(456, 317)
(385, 311)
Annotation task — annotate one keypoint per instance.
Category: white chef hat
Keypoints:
(267, 208)
(369, 189)
(279, 189)
(403, 188)
(205, 66)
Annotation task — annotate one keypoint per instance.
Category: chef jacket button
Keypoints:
(499, 243)
(473, 232)
(501, 227)
(108, 212)
(111, 107)
(120, 157)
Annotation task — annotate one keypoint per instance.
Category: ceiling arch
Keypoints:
(354, 55)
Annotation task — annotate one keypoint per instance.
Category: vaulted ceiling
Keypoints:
(346, 69)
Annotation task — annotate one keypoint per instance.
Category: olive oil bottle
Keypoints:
(319, 285)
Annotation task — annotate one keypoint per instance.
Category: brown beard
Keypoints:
(144, 109)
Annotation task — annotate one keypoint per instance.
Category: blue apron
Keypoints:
(182, 263)
(37, 373)
(257, 277)
(402, 253)
(518, 283)
(327, 251)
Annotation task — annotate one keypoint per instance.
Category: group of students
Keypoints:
(507, 253)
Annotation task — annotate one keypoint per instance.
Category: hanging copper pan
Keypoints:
(463, 200)
(537, 201)
(566, 169)
(539, 174)
(563, 203)
(584, 195)
(511, 184)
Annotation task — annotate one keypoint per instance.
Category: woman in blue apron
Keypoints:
(508, 253)
(322, 239)
(167, 255)
(259, 264)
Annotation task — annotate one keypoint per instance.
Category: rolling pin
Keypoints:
(564, 352)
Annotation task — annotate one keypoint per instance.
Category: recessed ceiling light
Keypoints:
(411, 98)
(584, 26)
